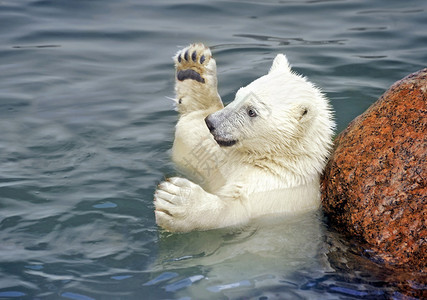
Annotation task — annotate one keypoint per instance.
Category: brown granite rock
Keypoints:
(374, 186)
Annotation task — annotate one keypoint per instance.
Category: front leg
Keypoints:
(195, 151)
(183, 206)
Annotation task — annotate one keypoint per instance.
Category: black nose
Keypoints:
(209, 124)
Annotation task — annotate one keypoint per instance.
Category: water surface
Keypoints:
(86, 133)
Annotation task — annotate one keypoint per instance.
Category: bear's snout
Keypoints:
(221, 139)
(209, 123)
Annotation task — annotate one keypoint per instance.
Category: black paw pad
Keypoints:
(189, 74)
(194, 56)
(202, 59)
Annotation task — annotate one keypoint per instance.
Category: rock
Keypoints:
(374, 185)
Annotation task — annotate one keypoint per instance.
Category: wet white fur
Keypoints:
(275, 166)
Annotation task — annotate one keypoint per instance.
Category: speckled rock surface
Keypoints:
(374, 186)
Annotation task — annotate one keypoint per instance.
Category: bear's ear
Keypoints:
(280, 63)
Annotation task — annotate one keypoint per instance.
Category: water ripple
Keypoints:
(86, 134)
(291, 41)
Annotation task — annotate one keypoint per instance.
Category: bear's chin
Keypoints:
(224, 143)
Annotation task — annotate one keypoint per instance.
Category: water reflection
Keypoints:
(262, 254)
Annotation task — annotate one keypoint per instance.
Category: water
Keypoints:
(86, 133)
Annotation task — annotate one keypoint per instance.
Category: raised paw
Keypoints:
(196, 82)
(192, 63)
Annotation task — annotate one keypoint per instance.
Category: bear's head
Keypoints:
(280, 114)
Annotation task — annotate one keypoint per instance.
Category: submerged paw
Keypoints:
(191, 62)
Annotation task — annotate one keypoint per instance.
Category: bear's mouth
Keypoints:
(225, 143)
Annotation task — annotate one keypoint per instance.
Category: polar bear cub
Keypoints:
(261, 154)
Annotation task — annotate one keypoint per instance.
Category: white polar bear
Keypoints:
(262, 154)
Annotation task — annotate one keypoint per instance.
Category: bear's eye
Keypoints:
(252, 113)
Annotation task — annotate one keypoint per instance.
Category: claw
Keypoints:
(163, 211)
